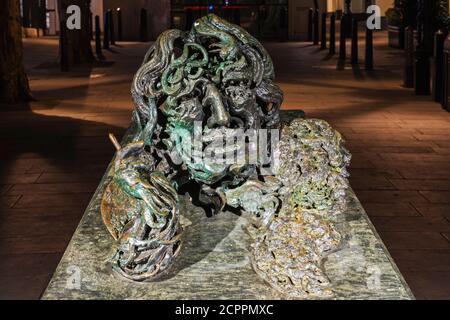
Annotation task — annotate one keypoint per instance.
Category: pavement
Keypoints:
(54, 155)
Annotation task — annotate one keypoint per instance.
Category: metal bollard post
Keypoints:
(310, 24)
(91, 25)
(342, 39)
(119, 25)
(316, 27)
(189, 19)
(323, 40)
(63, 47)
(333, 34)
(237, 16)
(408, 74)
(143, 29)
(354, 57)
(112, 33)
(446, 82)
(106, 29)
(368, 60)
(438, 60)
(421, 71)
(98, 41)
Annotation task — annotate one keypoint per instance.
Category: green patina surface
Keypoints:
(215, 76)
(215, 260)
(193, 91)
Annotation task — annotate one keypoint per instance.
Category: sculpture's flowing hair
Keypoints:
(144, 90)
(262, 66)
(140, 206)
(159, 235)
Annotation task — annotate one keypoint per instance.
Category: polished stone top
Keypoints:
(214, 262)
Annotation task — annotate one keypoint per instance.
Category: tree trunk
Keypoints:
(78, 42)
(14, 86)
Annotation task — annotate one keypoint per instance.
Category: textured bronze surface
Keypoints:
(217, 75)
(218, 79)
(215, 261)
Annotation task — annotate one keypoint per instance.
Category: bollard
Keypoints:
(333, 34)
(408, 73)
(143, 28)
(91, 25)
(119, 25)
(284, 18)
(421, 71)
(64, 52)
(368, 60)
(446, 82)
(349, 26)
(310, 24)
(437, 79)
(354, 57)
(98, 41)
(112, 33)
(189, 19)
(316, 27)
(342, 39)
(323, 40)
(401, 37)
(106, 29)
(237, 16)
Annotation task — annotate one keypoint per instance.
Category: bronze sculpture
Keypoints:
(193, 89)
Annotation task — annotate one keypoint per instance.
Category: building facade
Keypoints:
(265, 19)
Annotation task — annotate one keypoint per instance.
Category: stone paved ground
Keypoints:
(52, 158)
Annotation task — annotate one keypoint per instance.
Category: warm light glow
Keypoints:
(211, 7)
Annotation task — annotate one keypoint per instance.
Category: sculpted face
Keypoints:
(208, 83)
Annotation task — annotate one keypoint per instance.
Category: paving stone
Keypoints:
(422, 260)
(419, 224)
(387, 196)
(79, 200)
(374, 172)
(414, 240)
(411, 157)
(442, 210)
(29, 244)
(399, 209)
(446, 235)
(19, 178)
(437, 196)
(4, 188)
(8, 201)
(373, 183)
(53, 188)
(421, 184)
(22, 287)
(51, 177)
(30, 264)
(429, 284)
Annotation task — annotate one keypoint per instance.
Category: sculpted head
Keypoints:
(216, 78)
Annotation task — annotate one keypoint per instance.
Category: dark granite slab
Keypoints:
(214, 262)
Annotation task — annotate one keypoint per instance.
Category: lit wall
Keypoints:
(384, 5)
(97, 10)
(158, 16)
(298, 17)
(358, 5)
